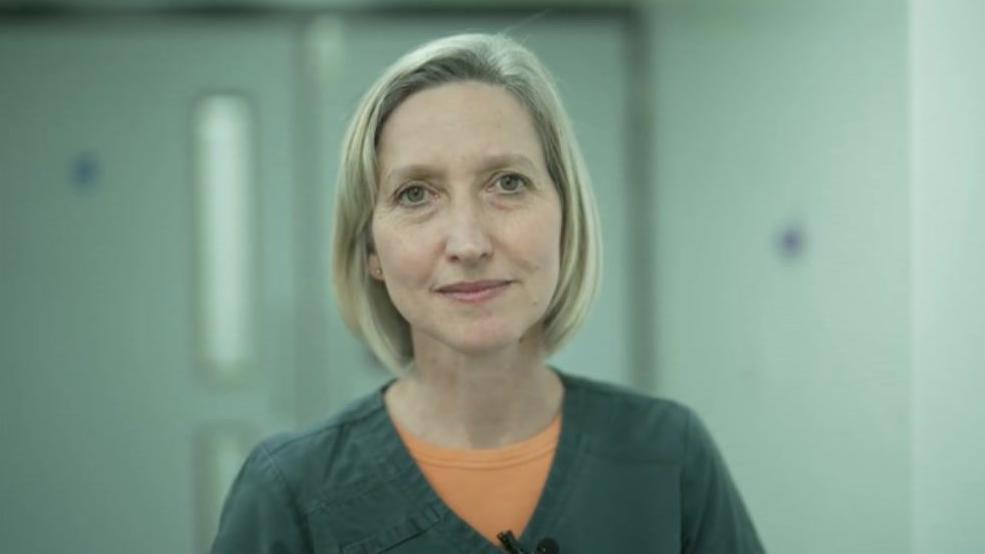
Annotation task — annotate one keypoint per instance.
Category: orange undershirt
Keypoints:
(492, 490)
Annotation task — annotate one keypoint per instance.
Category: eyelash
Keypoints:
(524, 182)
(401, 194)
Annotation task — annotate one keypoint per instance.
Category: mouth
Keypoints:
(473, 291)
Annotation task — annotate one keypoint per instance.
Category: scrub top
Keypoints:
(631, 474)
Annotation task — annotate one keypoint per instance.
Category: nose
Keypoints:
(468, 238)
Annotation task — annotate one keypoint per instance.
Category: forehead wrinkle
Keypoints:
(514, 159)
(412, 171)
(422, 115)
(481, 166)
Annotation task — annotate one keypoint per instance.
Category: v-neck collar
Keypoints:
(395, 465)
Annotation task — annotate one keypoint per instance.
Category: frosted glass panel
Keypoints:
(222, 449)
(223, 144)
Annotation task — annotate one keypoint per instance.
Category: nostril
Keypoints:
(466, 243)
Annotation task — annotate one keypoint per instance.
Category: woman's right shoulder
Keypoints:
(289, 476)
(323, 456)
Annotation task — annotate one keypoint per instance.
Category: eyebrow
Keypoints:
(413, 171)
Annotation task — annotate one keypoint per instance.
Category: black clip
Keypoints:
(513, 546)
(510, 543)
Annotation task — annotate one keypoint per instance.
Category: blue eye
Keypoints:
(412, 195)
(512, 183)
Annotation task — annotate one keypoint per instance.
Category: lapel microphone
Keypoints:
(513, 546)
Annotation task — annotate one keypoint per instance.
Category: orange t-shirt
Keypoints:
(493, 490)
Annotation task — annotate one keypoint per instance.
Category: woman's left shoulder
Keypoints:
(627, 428)
(620, 418)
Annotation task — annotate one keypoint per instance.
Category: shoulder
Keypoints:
(627, 428)
(286, 479)
(322, 456)
(625, 422)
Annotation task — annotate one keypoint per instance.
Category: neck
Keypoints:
(456, 400)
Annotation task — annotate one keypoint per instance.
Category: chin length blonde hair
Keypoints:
(492, 59)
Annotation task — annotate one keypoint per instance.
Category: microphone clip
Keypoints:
(513, 546)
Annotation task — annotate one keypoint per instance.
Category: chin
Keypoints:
(484, 343)
(490, 340)
(480, 340)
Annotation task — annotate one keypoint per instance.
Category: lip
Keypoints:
(473, 291)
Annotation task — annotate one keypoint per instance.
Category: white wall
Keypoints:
(948, 153)
(776, 117)
(845, 382)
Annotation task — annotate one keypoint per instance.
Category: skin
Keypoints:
(467, 231)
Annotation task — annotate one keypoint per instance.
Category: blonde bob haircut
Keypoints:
(492, 59)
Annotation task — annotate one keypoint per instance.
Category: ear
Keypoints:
(374, 267)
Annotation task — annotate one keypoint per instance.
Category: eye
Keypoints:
(512, 183)
(412, 195)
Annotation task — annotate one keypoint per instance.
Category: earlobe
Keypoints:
(374, 267)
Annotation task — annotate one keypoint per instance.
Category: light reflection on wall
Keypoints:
(223, 129)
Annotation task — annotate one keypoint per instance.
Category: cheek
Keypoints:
(404, 256)
(550, 231)
(539, 241)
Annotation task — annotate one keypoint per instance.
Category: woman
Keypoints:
(467, 251)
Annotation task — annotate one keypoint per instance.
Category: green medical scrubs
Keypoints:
(631, 474)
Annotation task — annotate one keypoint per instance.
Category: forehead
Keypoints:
(458, 124)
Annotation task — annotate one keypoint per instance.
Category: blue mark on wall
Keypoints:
(792, 241)
(85, 172)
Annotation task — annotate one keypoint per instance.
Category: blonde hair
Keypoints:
(492, 59)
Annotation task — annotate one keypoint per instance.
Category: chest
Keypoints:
(589, 505)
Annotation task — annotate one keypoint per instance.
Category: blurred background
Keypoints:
(791, 191)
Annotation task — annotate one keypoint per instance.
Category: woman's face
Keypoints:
(467, 224)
